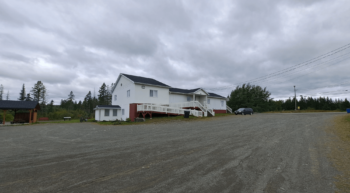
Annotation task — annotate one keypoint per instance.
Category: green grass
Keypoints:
(340, 151)
(156, 120)
(223, 114)
(304, 111)
(347, 118)
(62, 121)
(148, 121)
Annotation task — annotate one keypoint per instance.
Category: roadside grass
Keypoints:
(147, 121)
(156, 120)
(340, 151)
(62, 121)
(304, 111)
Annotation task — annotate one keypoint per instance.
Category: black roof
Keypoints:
(143, 80)
(215, 95)
(180, 90)
(7, 104)
(108, 106)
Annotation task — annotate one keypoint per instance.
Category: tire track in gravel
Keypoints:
(259, 153)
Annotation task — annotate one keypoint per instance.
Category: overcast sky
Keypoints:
(78, 45)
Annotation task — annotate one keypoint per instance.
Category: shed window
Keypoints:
(208, 101)
(115, 112)
(222, 103)
(128, 93)
(153, 93)
(122, 111)
(115, 97)
(106, 112)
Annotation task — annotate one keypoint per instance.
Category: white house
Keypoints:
(135, 96)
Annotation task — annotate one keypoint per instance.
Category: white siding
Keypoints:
(100, 115)
(215, 104)
(123, 101)
(143, 96)
(200, 92)
(97, 115)
(177, 98)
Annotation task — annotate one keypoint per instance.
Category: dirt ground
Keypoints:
(259, 153)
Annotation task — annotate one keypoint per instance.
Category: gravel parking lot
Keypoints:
(259, 153)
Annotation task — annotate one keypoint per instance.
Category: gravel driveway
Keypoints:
(259, 153)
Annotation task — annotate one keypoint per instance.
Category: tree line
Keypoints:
(259, 100)
(68, 107)
(246, 95)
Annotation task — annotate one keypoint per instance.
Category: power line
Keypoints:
(291, 69)
(304, 70)
(329, 62)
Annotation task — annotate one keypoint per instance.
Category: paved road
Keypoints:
(259, 153)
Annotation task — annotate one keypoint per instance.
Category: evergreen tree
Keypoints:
(39, 92)
(50, 108)
(22, 94)
(8, 95)
(109, 95)
(345, 104)
(249, 96)
(1, 91)
(69, 102)
(88, 103)
(28, 98)
(71, 96)
(103, 95)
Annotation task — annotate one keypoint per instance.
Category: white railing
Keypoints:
(229, 109)
(167, 109)
(204, 108)
(211, 111)
(189, 104)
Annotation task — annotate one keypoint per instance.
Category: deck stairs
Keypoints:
(228, 109)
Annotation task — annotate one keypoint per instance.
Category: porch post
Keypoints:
(206, 100)
(194, 97)
(3, 117)
(30, 116)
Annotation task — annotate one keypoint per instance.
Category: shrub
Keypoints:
(8, 117)
(128, 120)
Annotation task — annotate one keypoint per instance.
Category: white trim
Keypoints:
(116, 82)
(116, 110)
(140, 83)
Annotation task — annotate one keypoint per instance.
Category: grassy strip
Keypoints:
(304, 111)
(340, 151)
(155, 120)
(62, 121)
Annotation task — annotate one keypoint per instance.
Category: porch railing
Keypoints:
(228, 109)
(167, 109)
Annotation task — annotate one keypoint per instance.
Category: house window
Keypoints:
(208, 101)
(222, 103)
(115, 112)
(115, 97)
(188, 98)
(122, 111)
(153, 93)
(106, 112)
(128, 93)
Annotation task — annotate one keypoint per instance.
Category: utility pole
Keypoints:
(295, 98)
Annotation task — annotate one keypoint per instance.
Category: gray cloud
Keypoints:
(78, 45)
